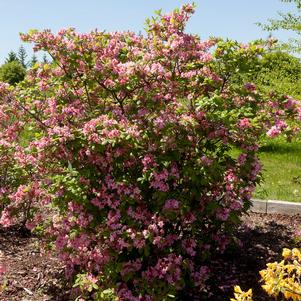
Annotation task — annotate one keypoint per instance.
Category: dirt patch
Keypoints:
(33, 275)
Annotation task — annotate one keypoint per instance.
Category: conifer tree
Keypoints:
(34, 60)
(22, 56)
(11, 57)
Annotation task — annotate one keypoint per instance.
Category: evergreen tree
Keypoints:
(12, 72)
(34, 60)
(22, 55)
(11, 57)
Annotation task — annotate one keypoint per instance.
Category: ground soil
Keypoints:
(34, 275)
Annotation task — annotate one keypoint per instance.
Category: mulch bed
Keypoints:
(263, 236)
(33, 275)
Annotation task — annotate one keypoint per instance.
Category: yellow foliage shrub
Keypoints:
(280, 278)
(284, 277)
(240, 295)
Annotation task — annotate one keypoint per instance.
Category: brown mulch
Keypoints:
(263, 236)
(33, 275)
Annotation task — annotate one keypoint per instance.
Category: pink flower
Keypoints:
(244, 123)
(43, 85)
(3, 269)
(131, 267)
(199, 277)
(159, 180)
(148, 161)
(6, 219)
(171, 204)
(223, 214)
(242, 159)
(250, 86)
(206, 161)
(273, 131)
(189, 246)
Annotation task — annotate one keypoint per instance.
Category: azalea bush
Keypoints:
(123, 154)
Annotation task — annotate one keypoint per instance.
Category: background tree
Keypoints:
(22, 56)
(33, 60)
(280, 72)
(12, 72)
(11, 57)
(270, 69)
(288, 21)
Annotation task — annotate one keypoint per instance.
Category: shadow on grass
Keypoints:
(281, 148)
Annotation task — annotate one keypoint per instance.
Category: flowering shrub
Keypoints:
(11, 127)
(127, 161)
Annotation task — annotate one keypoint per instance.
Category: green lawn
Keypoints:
(281, 170)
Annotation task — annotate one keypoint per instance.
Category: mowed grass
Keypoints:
(281, 170)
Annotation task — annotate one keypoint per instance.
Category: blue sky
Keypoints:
(225, 18)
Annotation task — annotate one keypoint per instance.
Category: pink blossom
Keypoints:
(223, 214)
(244, 123)
(171, 204)
(242, 159)
(206, 161)
(189, 246)
(6, 219)
(250, 87)
(3, 269)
